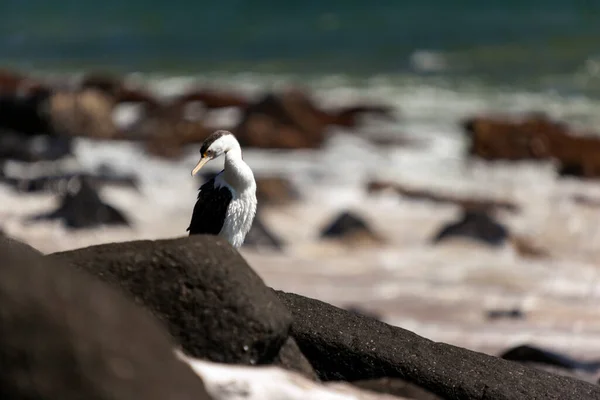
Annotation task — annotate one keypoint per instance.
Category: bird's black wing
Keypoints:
(210, 209)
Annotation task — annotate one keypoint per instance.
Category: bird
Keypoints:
(226, 204)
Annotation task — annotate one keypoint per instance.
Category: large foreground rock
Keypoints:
(65, 335)
(213, 303)
(346, 346)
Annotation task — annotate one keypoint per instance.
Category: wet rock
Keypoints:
(554, 362)
(66, 335)
(345, 346)
(351, 229)
(261, 237)
(84, 113)
(23, 112)
(116, 88)
(474, 225)
(396, 387)
(275, 191)
(534, 137)
(466, 202)
(527, 353)
(513, 313)
(213, 98)
(30, 148)
(54, 182)
(291, 120)
(212, 301)
(506, 138)
(81, 207)
(291, 358)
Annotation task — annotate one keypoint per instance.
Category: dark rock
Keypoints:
(16, 250)
(526, 353)
(475, 225)
(65, 335)
(261, 237)
(53, 182)
(396, 387)
(514, 313)
(350, 228)
(291, 358)
(29, 148)
(23, 112)
(213, 303)
(345, 346)
(82, 207)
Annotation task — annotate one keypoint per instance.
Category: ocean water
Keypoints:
(539, 44)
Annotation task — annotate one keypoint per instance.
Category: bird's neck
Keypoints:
(237, 173)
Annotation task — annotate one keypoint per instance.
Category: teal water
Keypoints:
(526, 42)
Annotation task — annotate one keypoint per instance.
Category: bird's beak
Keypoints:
(200, 164)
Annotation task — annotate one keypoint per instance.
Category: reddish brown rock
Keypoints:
(534, 137)
(291, 120)
(214, 99)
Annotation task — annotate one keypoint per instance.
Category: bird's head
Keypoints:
(214, 146)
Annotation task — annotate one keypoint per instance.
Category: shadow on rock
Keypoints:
(66, 335)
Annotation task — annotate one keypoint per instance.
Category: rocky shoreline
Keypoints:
(498, 264)
(91, 308)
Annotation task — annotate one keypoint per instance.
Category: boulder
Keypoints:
(350, 229)
(81, 207)
(344, 346)
(534, 137)
(214, 304)
(292, 120)
(474, 225)
(66, 335)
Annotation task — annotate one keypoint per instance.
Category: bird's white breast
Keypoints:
(240, 213)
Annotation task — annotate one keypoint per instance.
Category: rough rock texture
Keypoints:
(212, 301)
(291, 358)
(65, 335)
(345, 346)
